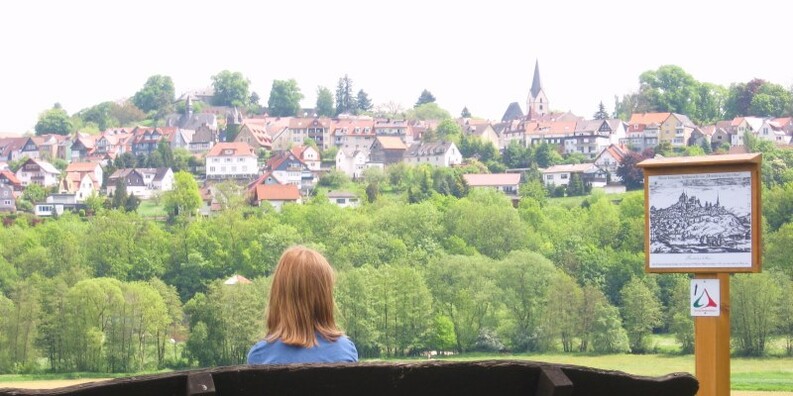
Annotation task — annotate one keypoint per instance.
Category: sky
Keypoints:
(478, 54)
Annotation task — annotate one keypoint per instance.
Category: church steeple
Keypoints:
(536, 84)
(537, 103)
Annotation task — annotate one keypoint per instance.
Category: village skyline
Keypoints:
(476, 56)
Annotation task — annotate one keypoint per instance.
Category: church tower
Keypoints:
(537, 103)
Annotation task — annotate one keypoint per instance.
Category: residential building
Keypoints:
(309, 155)
(277, 195)
(82, 146)
(8, 178)
(344, 199)
(508, 183)
(203, 139)
(82, 179)
(593, 136)
(8, 199)
(552, 132)
(393, 128)
(609, 160)
(38, 172)
(676, 130)
(57, 204)
(353, 133)
(387, 150)
(235, 160)
(316, 129)
(145, 140)
(290, 169)
(143, 183)
(559, 175)
(772, 131)
(480, 129)
(351, 162)
(641, 136)
(254, 134)
(444, 154)
(11, 148)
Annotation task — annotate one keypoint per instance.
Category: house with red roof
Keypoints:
(316, 129)
(309, 155)
(353, 133)
(277, 195)
(8, 178)
(82, 179)
(235, 160)
(610, 159)
(254, 134)
(290, 169)
(508, 183)
(387, 150)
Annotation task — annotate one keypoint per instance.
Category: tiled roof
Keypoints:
(427, 149)
(277, 192)
(648, 118)
(341, 194)
(10, 176)
(575, 168)
(239, 149)
(301, 123)
(391, 143)
(492, 179)
(82, 167)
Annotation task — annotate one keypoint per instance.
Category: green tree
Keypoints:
(126, 113)
(324, 102)
(641, 312)
(231, 89)
(754, 312)
(156, 96)
(345, 100)
(771, 100)
(357, 315)
(284, 99)
(363, 102)
(54, 120)
(120, 196)
(711, 100)
(601, 114)
(100, 114)
(670, 89)
(448, 130)
(34, 193)
(483, 220)
(425, 97)
(427, 111)
(184, 199)
(678, 316)
(739, 98)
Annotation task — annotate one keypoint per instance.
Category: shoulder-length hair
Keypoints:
(301, 299)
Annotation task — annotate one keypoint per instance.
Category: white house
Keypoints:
(309, 155)
(38, 172)
(142, 182)
(442, 154)
(344, 199)
(351, 162)
(235, 160)
(559, 175)
(507, 183)
(290, 169)
(609, 160)
(56, 204)
(773, 132)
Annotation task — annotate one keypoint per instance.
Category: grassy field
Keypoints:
(150, 209)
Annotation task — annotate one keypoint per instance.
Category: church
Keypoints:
(537, 104)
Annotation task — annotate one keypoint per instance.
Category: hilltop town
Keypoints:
(281, 159)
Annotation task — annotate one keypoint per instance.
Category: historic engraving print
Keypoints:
(701, 220)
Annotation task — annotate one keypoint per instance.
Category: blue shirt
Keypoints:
(276, 352)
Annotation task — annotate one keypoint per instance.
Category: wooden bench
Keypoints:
(496, 377)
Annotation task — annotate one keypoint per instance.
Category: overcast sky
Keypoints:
(478, 54)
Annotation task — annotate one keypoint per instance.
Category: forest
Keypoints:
(417, 270)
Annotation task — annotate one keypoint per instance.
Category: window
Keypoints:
(241, 159)
(340, 200)
(564, 176)
(7, 203)
(549, 177)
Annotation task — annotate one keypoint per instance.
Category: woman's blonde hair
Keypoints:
(301, 299)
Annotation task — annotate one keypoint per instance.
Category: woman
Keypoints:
(300, 323)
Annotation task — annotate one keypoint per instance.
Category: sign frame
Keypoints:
(705, 168)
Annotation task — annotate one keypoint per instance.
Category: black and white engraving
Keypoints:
(705, 218)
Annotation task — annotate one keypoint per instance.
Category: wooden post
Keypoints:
(712, 343)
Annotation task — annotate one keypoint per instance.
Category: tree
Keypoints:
(771, 100)
(126, 113)
(231, 89)
(641, 312)
(631, 175)
(345, 101)
(54, 120)
(284, 99)
(100, 114)
(754, 312)
(184, 199)
(425, 97)
(448, 130)
(156, 96)
(363, 102)
(670, 89)
(465, 113)
(601, 114)
(324, 102)
(427, 111)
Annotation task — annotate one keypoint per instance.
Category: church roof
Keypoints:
(536, 84)
(513, 112)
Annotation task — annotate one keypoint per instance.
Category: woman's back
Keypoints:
(276, 352)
